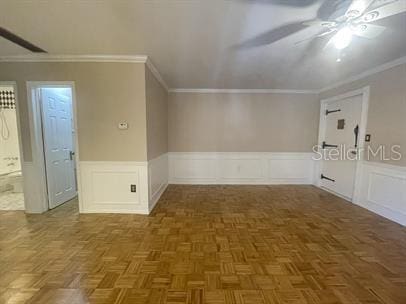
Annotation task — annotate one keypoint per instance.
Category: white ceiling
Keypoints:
(192, 42)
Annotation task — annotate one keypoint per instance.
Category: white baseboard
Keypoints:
(157, 179)
(383, 190)
(105, 187)
(240, 168)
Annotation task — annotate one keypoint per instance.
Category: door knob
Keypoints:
(71, 155)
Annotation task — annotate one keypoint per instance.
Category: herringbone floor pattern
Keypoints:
(207, 244)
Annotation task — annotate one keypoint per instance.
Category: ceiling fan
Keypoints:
(6, 34)
(340, 20)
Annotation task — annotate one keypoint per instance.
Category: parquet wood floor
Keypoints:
(207, 244)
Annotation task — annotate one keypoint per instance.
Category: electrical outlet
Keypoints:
(368, 138)
(123, 125)
(133, 188)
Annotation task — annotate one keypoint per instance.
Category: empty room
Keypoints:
(203, 151)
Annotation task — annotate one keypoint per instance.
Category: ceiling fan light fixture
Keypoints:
(328, 24)
(343, 38)
(371, 16)
(353, 13)
(362, 27)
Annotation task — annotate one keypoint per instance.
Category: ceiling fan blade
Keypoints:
(20, 41)
(357, 8)
(322, 34)
(330, 31)
(369, 31)
(306, 39)
(294, 3)
(318, 22)
(311, 50)
(272, 36)
(333, 10)
(384, 11)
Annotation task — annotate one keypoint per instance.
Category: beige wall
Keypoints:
(107, 93)
(387, 108)
(205, 122)
(157, 116)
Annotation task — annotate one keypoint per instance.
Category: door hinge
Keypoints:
(327, 178)
(356, 133)
(332, 111)
(325, 145)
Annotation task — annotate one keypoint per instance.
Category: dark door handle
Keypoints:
(328, 146)
(327, 178)
(71, 154)
(356, 132)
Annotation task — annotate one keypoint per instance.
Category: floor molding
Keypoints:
(156, 196)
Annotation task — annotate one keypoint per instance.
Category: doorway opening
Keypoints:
(343, 121)
(55, 142)
(11, 176)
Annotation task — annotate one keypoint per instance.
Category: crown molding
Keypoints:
(145, 59)
(244, 91)
(156, 73)
(88, 58)
(372, 71)
(375, 70)
(75, 58)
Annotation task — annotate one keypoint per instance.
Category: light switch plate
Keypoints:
(123, 125)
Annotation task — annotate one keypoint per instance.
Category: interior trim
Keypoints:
(145, 59)
(156, 73)
(372, 71)
(89, 58)
(240, 168)
(244, 91)
(382, 190)
(74, 58)
(116, 176)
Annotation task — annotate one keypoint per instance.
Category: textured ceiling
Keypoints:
(192, 43)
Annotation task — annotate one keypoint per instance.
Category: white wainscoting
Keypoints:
(158, 178)
(105, 187)
(35, 192)
(240, 168)
(383, 190)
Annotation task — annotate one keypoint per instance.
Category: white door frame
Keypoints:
(20, 142)
(364, 92)
(38, 159)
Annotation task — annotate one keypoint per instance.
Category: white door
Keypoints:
(58, 146)
(341, 140)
